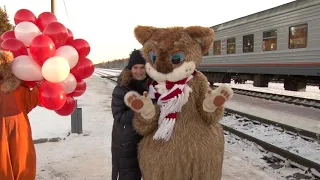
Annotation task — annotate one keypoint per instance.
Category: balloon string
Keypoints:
(65, 7)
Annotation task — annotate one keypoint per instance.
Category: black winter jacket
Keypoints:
(125, 140)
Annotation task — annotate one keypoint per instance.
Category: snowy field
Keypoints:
(87, 156)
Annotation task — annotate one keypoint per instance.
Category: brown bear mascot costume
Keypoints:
(182, 138)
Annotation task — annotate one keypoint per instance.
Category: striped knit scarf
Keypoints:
(170, 103)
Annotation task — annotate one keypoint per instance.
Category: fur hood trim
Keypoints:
(9, 82)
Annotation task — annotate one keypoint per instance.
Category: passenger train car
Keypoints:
(282, 43)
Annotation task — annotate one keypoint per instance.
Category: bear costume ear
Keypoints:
(203, 35)
(143, 33)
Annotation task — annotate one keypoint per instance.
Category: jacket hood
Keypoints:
(124, 77)
(9, 82)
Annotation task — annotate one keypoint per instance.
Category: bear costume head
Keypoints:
(172, 54)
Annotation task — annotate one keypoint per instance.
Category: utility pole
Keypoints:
(76, 116)
(53, 7)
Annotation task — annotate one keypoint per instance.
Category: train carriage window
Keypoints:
(248, 43)
(231, 45)
(217, 47)
(298, 36)
(269, 40)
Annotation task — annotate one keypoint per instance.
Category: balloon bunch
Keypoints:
(46, 52)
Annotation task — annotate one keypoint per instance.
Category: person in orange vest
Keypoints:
(17, 151)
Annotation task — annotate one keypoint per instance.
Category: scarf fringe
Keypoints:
(169, 106)
(172, 105)
(165, 129)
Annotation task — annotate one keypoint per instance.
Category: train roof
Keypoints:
(285, 8)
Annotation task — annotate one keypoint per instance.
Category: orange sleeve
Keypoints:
(30, 98)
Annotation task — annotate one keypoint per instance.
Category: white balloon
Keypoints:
(69, 53)
(69, 84)
(26, 31)
(27, 69)
(55, 69)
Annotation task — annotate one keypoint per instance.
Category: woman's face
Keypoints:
(138, 72)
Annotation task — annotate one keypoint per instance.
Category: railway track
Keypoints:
(279, 97)
(281, 140)
(106, 75)
(285, 153)
(264, 95)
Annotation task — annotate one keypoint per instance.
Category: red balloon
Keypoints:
(51, 95)
(82, 47)
(44, 19)
(7, 35)
(42, 48)
(57, 32)
(68, 107)
(30, 84)
(83, 69)
(80, 89)
(15, 46)
(24, 15)
(70, 36)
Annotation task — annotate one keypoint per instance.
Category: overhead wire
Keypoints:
(66, 9)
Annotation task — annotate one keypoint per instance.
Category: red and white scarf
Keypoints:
(171, 102)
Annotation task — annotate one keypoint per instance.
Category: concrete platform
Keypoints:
(297, 116)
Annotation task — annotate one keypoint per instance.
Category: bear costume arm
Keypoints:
(200, 88)
(146, 126)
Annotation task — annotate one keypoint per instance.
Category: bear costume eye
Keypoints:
(177, 57)
(152, 56)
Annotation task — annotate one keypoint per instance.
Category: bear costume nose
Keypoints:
(163, 67)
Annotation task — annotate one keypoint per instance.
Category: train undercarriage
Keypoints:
(291, 83)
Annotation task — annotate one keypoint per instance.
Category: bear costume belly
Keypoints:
(195, 152)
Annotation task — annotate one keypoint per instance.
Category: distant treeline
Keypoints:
(118, 63)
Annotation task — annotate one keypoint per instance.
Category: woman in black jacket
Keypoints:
(125, 140)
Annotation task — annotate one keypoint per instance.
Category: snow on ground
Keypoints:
(255, 155)
(278, 112)
(237, 168)
(87, 156)
(276, 136)
(48, 124)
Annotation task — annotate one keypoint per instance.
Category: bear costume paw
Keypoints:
(140, 104)
(216, 98)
